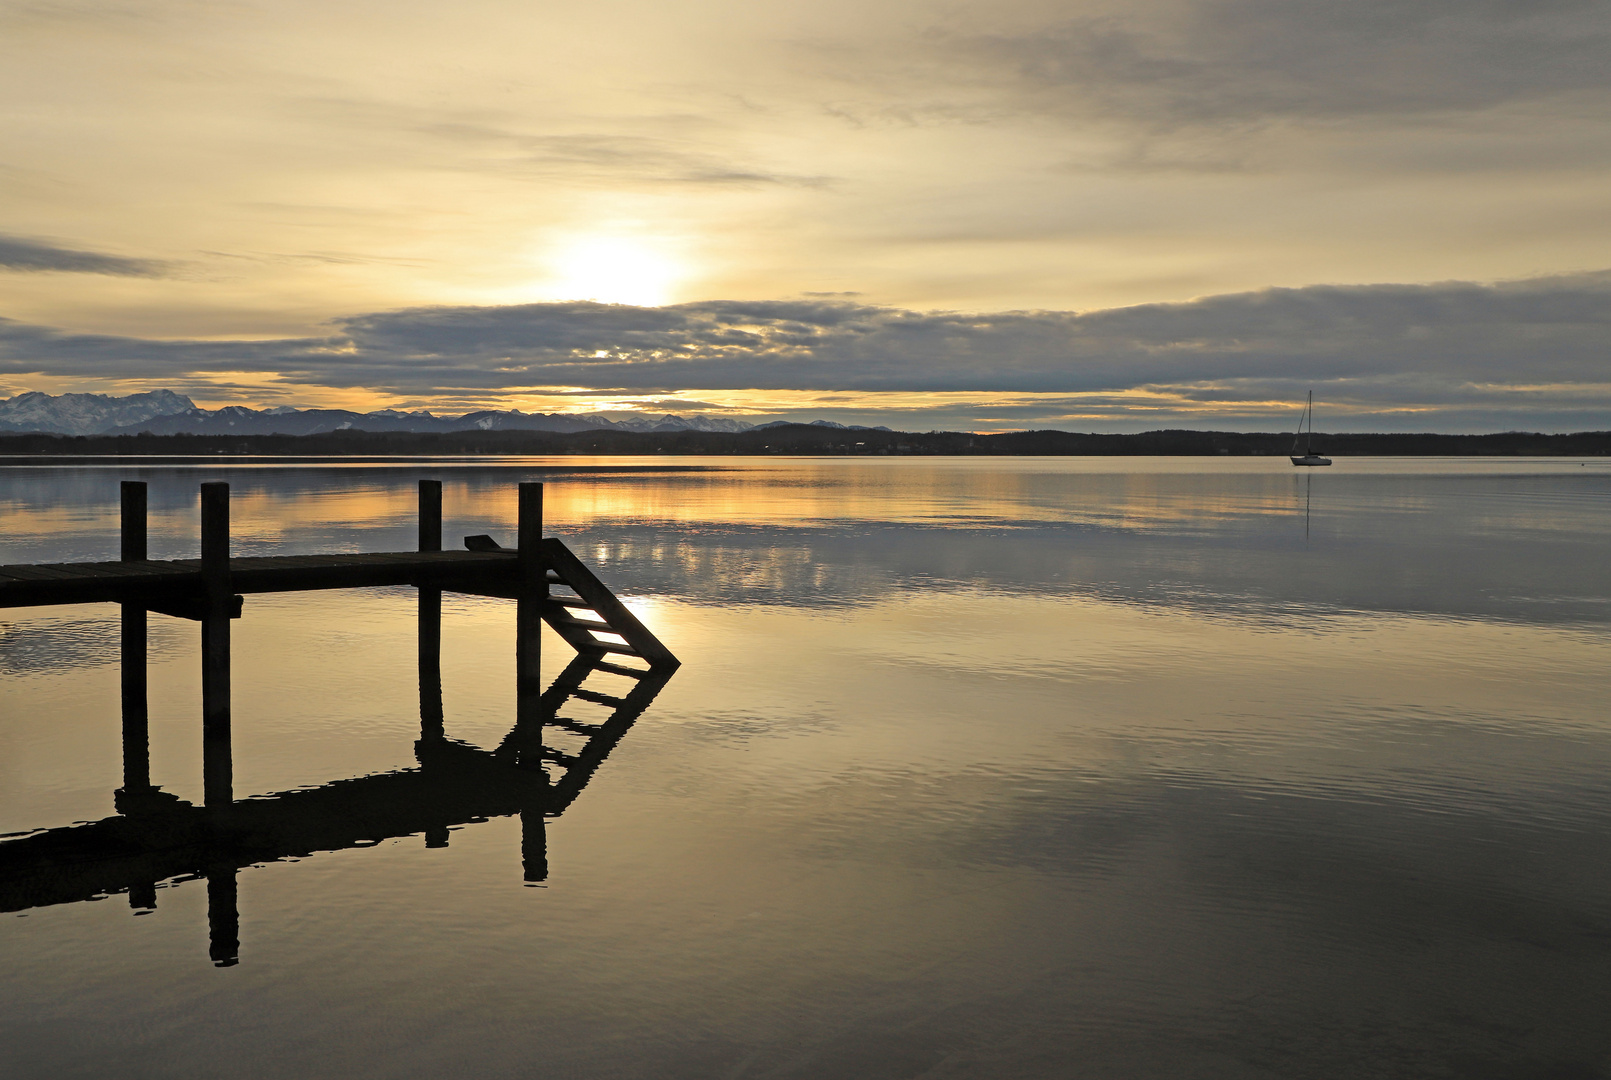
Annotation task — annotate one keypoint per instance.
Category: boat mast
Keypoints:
(1309, 411)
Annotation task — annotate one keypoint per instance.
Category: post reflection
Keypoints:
(535, 773)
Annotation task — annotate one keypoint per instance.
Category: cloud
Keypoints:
(497, 143)
(1251, 61)
(1534, 346)
(647, 159)
(1544, 331)
(37, 257)
(29, 349)
(1391, 88)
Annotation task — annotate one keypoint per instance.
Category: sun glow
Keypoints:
(612, 270)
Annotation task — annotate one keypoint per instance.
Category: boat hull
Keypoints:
(1311, 459)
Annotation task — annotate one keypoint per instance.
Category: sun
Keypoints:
(612, 270)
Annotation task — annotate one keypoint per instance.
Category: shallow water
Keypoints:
(974, 767)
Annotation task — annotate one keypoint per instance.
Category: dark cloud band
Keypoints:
(1535, 344)
(31, 255)
(1241, 61)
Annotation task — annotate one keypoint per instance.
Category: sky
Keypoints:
(1084, 214)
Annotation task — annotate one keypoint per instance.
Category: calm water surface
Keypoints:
(974, 768)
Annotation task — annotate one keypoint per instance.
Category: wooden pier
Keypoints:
(156, 837)
(587, 615)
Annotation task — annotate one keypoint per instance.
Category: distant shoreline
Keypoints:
(804, 439)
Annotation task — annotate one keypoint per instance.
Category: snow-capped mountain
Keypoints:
(239, 420)
(87, 414)
(670, 422)
(162, 412)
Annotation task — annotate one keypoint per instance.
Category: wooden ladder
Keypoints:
(527, 744)
(593, 620)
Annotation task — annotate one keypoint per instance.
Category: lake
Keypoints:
(974, 767)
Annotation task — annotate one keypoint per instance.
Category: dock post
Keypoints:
(217, 767)
(136, 717)
(532, 597)
(532, 570)
(223, 916)
(133, 522)
(430, 515)
(430, 618)
(533, 844)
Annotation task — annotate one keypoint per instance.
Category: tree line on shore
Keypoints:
(811, 439)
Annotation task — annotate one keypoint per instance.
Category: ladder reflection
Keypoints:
(155, 837)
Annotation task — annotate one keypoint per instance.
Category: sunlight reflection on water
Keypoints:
(973, 768)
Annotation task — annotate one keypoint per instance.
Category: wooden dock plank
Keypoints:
(40, 573)
(143, 568)
(176, 583)
(75, 583)
(121, 570)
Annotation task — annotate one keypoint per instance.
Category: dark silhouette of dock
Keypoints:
(157, 582)
(588, 615)
(156, 837)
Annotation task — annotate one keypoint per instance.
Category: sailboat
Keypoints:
(1308, 457)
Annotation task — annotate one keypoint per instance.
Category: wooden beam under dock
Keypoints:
(116, 582)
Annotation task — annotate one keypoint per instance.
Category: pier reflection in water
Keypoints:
(535, 773)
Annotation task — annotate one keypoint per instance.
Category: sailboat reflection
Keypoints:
(156, 837)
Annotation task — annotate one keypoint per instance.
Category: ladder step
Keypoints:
(597, 698)
(565, 601)
(610, 646)
(587, 730)
(588, 624)
(620, 669)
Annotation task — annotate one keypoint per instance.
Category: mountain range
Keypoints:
(87, 414)
(163, 412)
